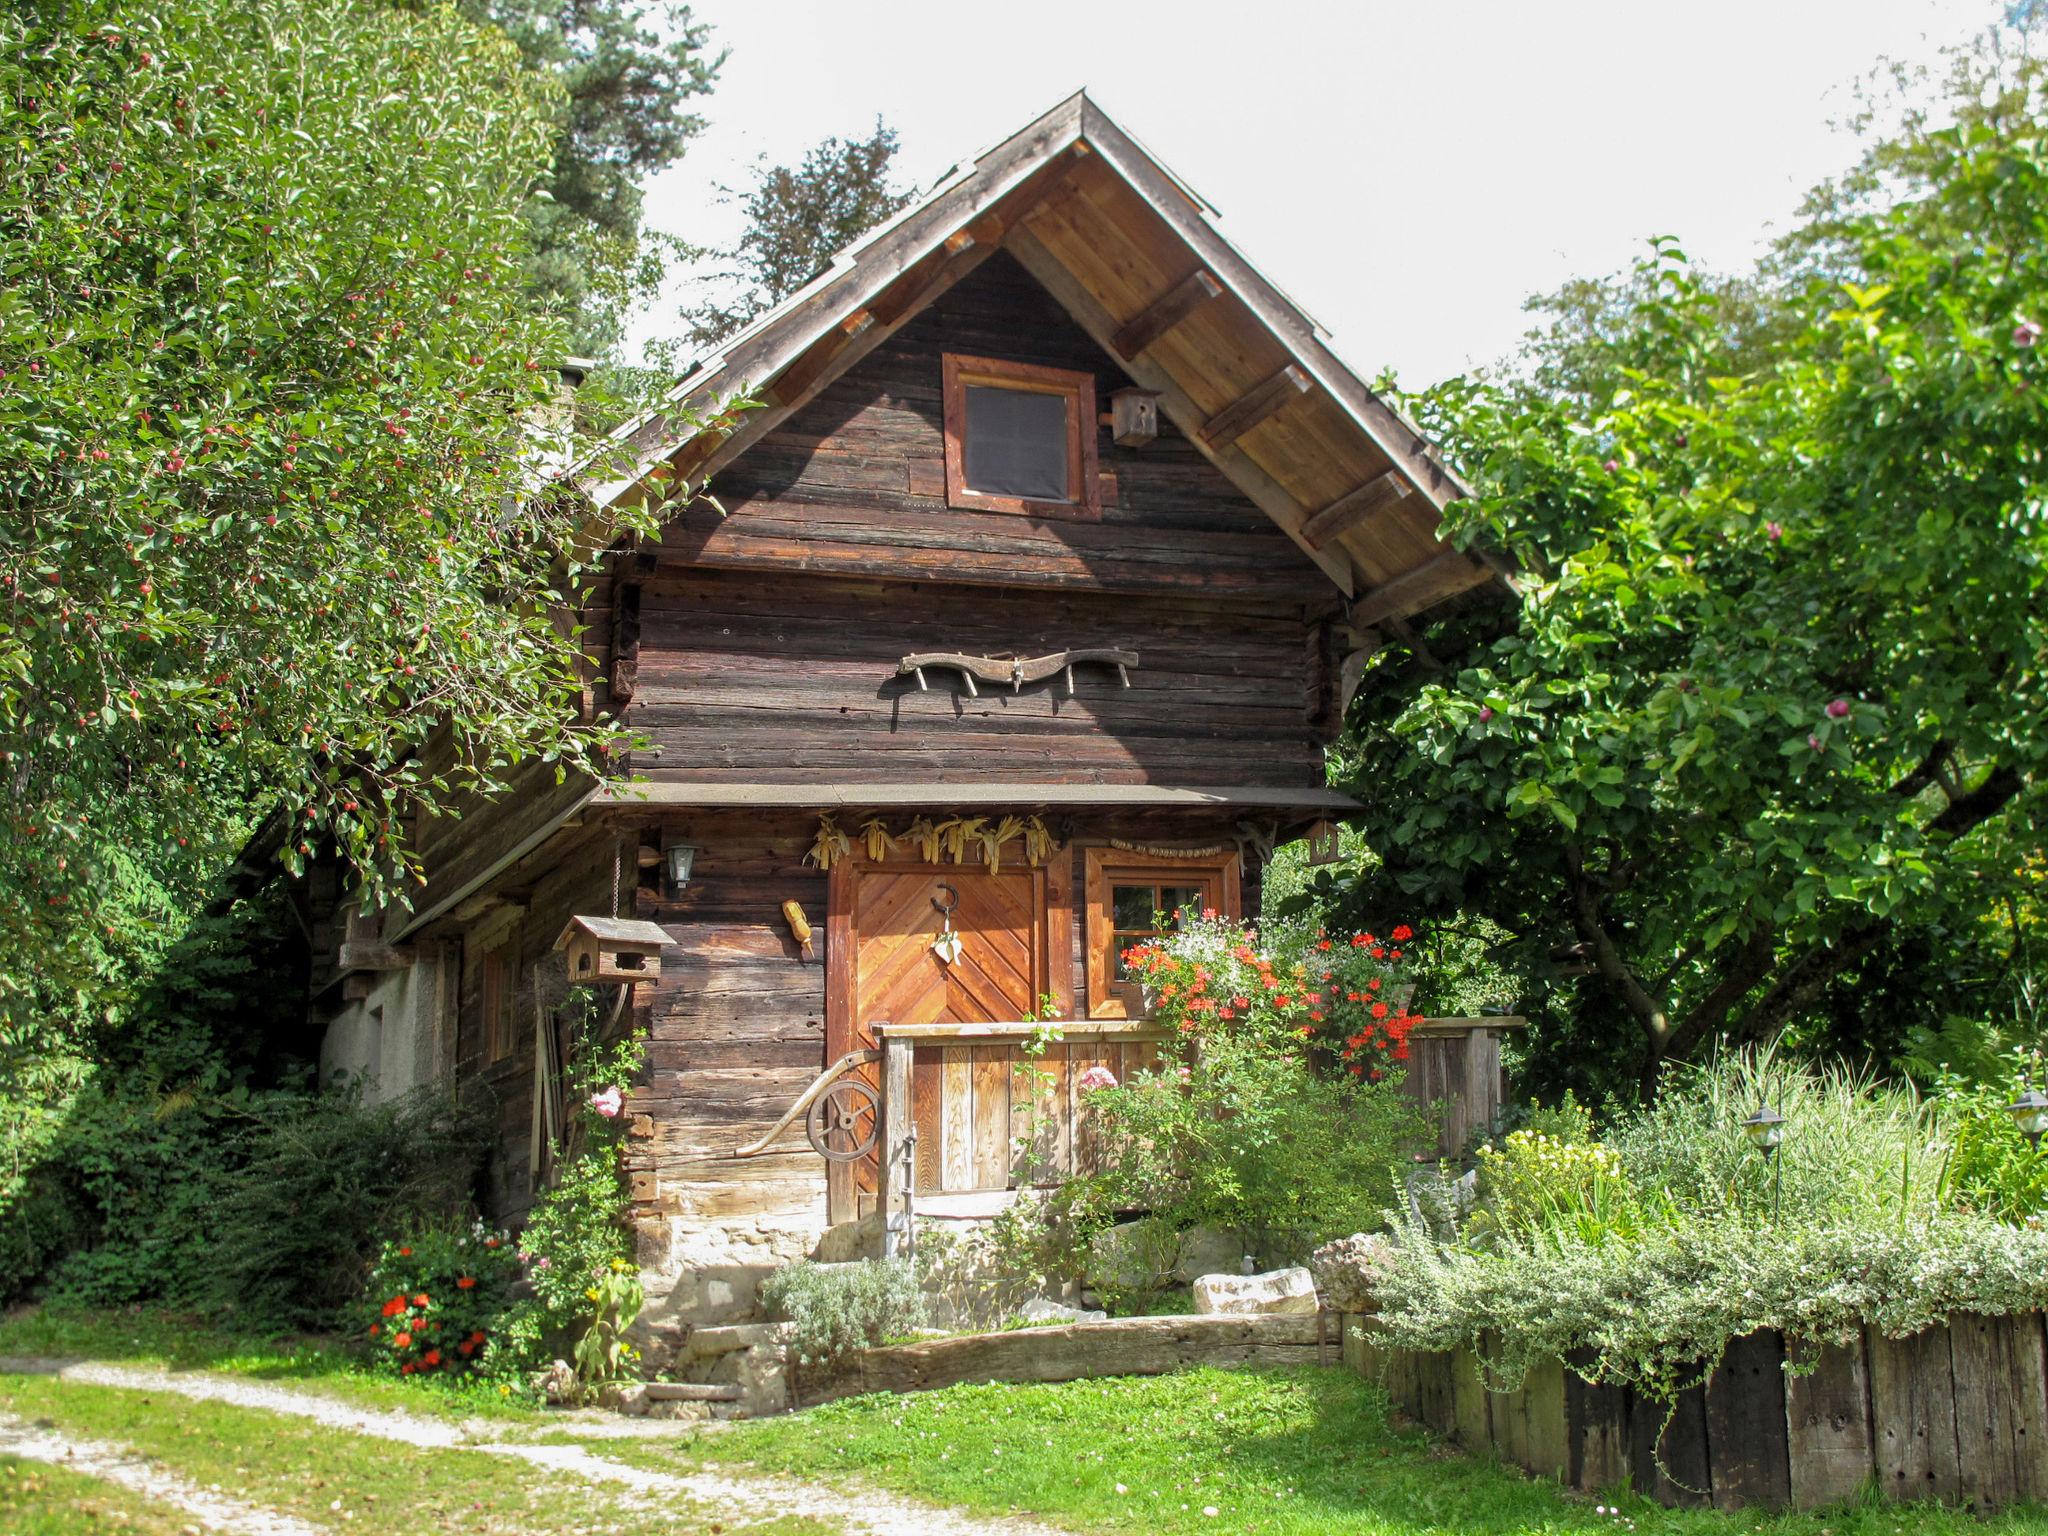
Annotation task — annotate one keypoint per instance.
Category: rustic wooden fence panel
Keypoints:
(1958, 1412)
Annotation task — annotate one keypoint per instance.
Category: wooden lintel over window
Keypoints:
(1020, 438)
(1133, 897)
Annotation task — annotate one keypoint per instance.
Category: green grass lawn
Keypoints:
(39, 1500)
(1286, 1452)
(180, 1342)
(338, 1480)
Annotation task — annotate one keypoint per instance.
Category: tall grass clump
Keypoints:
(1651, 1244)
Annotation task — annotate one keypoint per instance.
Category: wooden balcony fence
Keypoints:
(969, 1112)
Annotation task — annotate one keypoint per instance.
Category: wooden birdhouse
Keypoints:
(1134, 416)
(1325, 844)
(603, 951)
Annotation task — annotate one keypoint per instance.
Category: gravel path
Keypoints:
(118, 1464)
(730, 1496)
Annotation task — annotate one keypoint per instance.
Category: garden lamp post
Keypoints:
(1765, 1130)
(2030, 1113)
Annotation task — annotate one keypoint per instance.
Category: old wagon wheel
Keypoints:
(841, 1122)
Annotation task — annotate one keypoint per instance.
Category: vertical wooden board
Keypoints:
(1989, 1421)
(1668, 1448)
(1827, 1422)
(1397, 1374)
(1543, 1403)
(1053, 1133)
(925, 1111)
(1510, 1412)
(2030, 1399)
(1596, 1429)
(1746, 1444)
(1913, 1415)
(956, 1117)
(1083, 1054)
(841, 1179)
(1470, 1417)
(991, 1117)
(1433, 1401)
(895, 1126)
(1354, 1341)
(1480, 1090)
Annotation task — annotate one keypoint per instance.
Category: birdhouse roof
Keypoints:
(615, 930)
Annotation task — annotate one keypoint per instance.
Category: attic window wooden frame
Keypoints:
(1216, 876)
(1083, 500)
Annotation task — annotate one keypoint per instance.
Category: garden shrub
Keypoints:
(1670, 1235)
(436, 1300)
(1992, 1170)
(834, 1309)
(576, 1247)
(1277, 1112)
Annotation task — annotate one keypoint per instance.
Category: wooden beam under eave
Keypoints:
(1260, 402)
(1412, 591)
(1377, 495)
(1166, 312)
(1268, 494)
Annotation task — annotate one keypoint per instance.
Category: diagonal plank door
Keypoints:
(896, 977)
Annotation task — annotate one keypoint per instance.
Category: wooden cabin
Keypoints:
(1032, 593)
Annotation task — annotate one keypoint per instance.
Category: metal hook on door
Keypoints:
(947, 945)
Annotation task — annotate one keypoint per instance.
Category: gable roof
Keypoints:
(1135, 257)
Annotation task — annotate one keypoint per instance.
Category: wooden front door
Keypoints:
(1014, 949)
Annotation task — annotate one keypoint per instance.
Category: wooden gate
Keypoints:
(1015, 948)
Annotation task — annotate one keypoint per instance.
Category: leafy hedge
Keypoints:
(1656, 1244)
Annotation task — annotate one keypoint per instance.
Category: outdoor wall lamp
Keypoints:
(677, 860)
(2030, 1113)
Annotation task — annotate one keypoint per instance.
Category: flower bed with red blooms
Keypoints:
(1345, 995)
(1361, 999)
(435, 1301)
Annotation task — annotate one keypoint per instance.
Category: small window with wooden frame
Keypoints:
(1020, 438)
(1134, 897)
(495, 988)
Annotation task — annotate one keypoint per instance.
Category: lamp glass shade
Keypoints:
(2030, 1112)
(1765, 1129)
(677, 860)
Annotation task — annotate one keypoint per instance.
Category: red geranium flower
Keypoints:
(1379, 1010)
(375, 1329)
(394, 1306)
(420, 1300)
(406, 1369)
(402, 1341)
(433, 1357)
(405, 1253)
(467, 1282)
(1403, 933)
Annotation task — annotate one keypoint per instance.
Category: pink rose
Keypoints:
(2026, 333)
(608, 1102)
(1485, 713)
(1773, 532)
(1096, 1077)
(1838, 709)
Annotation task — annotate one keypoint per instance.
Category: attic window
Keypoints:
(1020, 438)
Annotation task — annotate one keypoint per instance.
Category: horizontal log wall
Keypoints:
(1957, 1413)
(783, 679)
(853, 482)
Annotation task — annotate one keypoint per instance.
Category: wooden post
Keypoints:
(893, 1142)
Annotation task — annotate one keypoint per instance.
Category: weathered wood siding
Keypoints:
(852, 484)
(750, 677)
(1957, 1413)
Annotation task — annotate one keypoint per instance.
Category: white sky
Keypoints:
(1408, 172)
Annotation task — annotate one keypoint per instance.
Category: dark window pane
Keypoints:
(1132, 906)
(1176, 899)
(1016, 443)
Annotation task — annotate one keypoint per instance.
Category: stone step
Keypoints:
(693, 1391)
(729, 1338)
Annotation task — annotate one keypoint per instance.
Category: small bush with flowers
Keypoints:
(1277, 1111)
(436, 1301)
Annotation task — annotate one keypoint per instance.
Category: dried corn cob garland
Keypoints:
(830, 844)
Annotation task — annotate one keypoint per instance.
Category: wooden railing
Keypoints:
(959, 1113)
